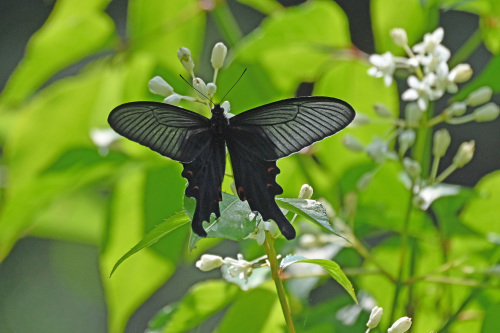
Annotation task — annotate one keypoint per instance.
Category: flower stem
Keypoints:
(402, 258)
(273, 263)
(423, 145)
(467, 48)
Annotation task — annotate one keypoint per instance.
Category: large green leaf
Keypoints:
(74, 30)
(138, 278)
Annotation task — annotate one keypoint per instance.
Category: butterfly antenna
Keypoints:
(199, 92)
(234, 84)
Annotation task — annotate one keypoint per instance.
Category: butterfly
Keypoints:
(255, 140)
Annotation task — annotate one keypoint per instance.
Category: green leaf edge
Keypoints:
(331, 267)
(169, 225)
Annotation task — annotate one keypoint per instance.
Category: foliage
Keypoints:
(438, 265)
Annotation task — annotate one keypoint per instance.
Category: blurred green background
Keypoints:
(66, 212)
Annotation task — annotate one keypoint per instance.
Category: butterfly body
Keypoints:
(255, 139)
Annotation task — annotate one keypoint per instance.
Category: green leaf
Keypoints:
(283, 41)
(255, 311)
(161, 318)
(202, 300)
(330, 266)
(310, 209)
(481, 213)
(265, 6)
(73, 31)
(172, 223)
(137, 279)
(409, 15)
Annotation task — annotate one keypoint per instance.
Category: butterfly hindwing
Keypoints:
(205, 175)
(278, 129)
(172, 131)
(184, 136)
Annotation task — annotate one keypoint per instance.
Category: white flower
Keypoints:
(173, 99)
(385, 65)
(200, 87)
(401, 325)
(211, 88)
(239, 268)
(208, 262)
(432, 45)
(259, 233)
(103, 138)
(443, 80)
(421, 91)
(375, 316)
(159, 86)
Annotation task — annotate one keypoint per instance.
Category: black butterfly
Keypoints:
(255, 140)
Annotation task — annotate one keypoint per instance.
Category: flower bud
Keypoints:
(233, 188)
(457, 109)
(375, 316)
(406, 139)
(159, 86)
(200, 87)
(226, 106)
(382, 111)
(412, 167)
(479, 96)
(460, 73)
(413, 114)
(400, 326)
(464, 154)
(486, 112)
(399, 36)
(184, 56)
(352, 143)
(442, 141)
(173, 99)
(306, 192)
(211, 88)
(360, 119)
(218, 55)
(208, 262)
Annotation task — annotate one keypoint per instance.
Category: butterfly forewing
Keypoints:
(276, 130)
(172, 131)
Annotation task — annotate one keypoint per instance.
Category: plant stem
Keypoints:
(421, 152)
(227, 24)
(273, 263)
(467, 48)
(404, 243)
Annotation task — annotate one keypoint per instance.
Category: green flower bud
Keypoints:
(457, 109)
(461, 73)
(352, 143)
(442, 141)
(382, 111)
(480, 96)
(486, 112)
(399, 36)
(218, 55)
(184, 56)
(412, 167)
(413, 114)
(464, 154)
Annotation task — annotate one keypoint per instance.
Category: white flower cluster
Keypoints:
(159, 86)
(428, 61)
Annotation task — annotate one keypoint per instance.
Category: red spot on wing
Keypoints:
(270, 169)
(241, 194)
(196, 187)
(220, 194)
(269, 185)
(189, 172)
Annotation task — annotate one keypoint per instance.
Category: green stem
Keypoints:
(404, 244)
(465, 51)
(227, 24)
(422, 149)
(448, 171)
(273, 263)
